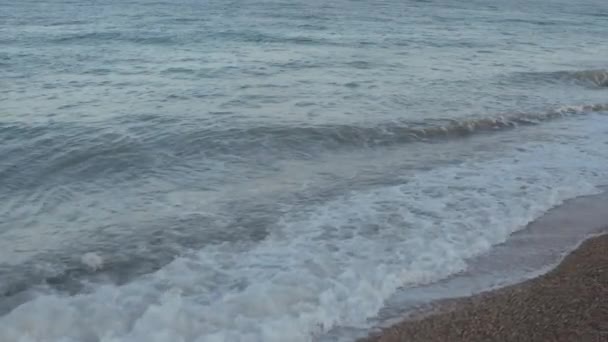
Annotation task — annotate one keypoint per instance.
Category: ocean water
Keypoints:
(270, 171)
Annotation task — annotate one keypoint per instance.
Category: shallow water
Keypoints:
(272, 170)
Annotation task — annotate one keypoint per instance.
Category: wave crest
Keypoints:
(83, 153)
(593, 78)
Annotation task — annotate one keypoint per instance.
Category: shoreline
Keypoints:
(569, 303)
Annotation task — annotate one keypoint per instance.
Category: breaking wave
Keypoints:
(85, 153)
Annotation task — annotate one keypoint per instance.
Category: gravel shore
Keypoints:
(570, 303)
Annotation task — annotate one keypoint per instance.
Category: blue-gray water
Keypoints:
(276, 170)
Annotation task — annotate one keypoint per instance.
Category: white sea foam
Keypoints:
(329, 264)
(92, 260)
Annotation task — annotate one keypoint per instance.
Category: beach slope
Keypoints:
(570, 303)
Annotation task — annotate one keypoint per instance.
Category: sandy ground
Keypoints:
(569, 303)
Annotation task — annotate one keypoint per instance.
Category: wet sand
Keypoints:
(570, 303)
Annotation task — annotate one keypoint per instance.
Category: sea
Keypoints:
(281, 170)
